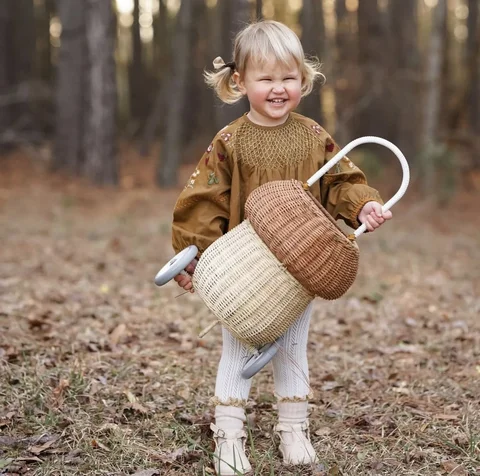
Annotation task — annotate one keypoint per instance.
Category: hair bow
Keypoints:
(219, 64)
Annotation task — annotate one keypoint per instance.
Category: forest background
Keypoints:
(103, 116)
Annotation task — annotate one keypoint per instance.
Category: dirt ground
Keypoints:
(102, 373)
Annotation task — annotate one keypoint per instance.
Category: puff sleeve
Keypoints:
(344, 188)
(201, 213)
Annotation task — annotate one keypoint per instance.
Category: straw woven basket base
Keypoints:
(247, 287)
(304, 237)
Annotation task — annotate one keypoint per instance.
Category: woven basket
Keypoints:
(247, 288)
(304, 237)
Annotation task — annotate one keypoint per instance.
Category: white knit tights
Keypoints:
(290, 366)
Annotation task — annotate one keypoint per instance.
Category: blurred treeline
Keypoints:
(85, 75)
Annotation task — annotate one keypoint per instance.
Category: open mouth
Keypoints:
(277, 101)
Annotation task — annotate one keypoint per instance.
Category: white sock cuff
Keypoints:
(292, 412)
(229, 418)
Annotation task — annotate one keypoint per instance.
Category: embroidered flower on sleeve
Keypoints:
(209, 149)
(226, 136)
(221, 157)
(330, 146)
(212, 179)
(317, 128)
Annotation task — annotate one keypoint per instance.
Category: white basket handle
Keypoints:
(364, 140)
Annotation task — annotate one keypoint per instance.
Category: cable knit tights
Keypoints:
(290, 366)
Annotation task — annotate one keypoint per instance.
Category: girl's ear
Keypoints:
(239, 82)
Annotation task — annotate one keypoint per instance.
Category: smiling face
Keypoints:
(273, 90)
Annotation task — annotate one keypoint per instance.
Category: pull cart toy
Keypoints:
(258, 278)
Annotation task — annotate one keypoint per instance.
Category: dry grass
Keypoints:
(101, 373)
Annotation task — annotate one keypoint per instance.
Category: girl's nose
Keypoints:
(278, 87)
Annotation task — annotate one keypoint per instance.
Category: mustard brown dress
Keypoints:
(245, 155)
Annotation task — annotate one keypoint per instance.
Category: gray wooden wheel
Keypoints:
(176, 265)
(258, 360)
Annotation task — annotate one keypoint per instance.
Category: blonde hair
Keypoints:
(260, 42)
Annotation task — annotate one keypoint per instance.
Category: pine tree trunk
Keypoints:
(136, 70)
(155, 123)
(372, 61)
(345, 75)
(232, 16)
(196, 85)
(171, 153)
(22, 66)
(473, 67)
(433, 94)
(405, 67)
(5, 22)
(100, 127)
(433, 75)
(43, 59)
(313, 39)
(70, 87)
(258, 9)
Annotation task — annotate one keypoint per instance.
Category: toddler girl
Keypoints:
(270, 142)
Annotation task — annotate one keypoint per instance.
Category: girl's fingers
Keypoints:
(368, 224)
(182, 280)
(372, 221)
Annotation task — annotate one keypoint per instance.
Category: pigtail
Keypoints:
(311, 72)
(221, 80)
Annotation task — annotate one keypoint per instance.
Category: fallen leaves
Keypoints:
(183, 454)
(386, 364)
(454, 469)
(99, 444)
(59, 391)
(36, 450)
(117, 334)
(134, 404)
(147, 472)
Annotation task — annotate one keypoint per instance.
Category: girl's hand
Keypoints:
(372, 216)
(185, 281)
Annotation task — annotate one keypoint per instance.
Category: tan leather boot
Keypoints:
(294, 435)
(230, 439)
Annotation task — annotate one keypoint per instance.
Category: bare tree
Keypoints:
(258, 9)
(433, 75)
(404, 82)
(473, 67)
(199, 101)
(70, 95)
(372, 61)
(22, 64)
(100, 129)
(136, 70)
(43, 51)
(5, 21)
(86, 91)
(155, 120)
(345, 72)
(171, 153)
(232, 16)
(433, 95)
(313, 39)
(17, 44)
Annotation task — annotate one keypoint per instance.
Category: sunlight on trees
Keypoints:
(144, 47)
